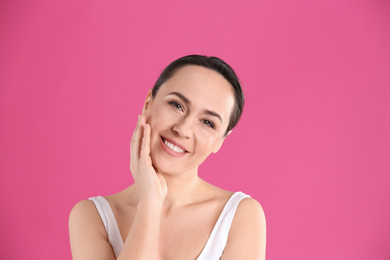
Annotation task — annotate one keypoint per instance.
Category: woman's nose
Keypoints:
(183, 127)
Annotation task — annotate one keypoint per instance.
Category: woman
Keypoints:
(170, 213)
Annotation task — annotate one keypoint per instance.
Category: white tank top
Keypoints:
(214, 246)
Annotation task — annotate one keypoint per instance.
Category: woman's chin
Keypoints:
(171, 166)
(167, 168)
(162, 167)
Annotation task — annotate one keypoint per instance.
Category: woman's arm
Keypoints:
(247, 236)
(87, 233)
(143, 239)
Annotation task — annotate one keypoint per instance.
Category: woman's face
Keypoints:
(188, 118)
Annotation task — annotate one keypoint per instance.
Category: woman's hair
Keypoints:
(212, 63)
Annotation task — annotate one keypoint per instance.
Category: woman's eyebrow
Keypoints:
(212, 113)
(187, 101)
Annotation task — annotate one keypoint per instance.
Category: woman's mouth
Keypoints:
(172, 146)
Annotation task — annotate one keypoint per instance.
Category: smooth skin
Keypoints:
(169, 212)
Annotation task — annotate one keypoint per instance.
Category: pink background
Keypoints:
(313, 145)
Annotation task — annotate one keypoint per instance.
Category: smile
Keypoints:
(172, 148)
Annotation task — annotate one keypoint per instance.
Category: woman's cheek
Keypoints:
(208, 132)
(206, 137)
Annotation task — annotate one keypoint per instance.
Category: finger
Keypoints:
(145, 149)
(136, 140)
(137, 126)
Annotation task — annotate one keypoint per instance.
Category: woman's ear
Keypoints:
(148, 99)
(216, 149)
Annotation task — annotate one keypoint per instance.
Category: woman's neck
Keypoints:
(182, 189)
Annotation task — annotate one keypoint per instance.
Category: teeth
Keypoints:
(173, 147)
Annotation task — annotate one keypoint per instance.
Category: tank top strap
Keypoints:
(218, 238)
(110, 224)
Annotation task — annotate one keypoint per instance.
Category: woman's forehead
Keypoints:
(197, 80)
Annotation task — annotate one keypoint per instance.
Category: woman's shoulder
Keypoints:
(249, 222)
(84, 214)
(250, 206)
(83, 208)
(216, 193)
(87, 233)
(246, 205)
(86, 228)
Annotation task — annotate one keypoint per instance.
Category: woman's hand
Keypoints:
(151, 185)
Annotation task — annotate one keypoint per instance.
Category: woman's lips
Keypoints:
(172, 147)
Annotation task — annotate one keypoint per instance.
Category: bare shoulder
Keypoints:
(247, 236)
(250, 208)
(88, 238)
(85, 214)
(249, 215)
(82, 209)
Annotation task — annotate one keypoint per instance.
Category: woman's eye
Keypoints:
(208, 123)
(176, 105)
